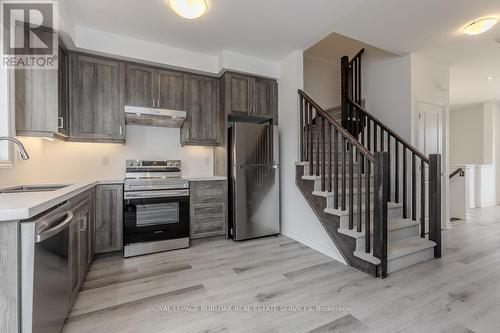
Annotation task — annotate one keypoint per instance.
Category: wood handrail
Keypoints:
(406, 144)
(351, 139)
(357, 55)
(456, 172)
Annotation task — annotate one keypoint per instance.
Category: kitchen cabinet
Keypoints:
(81, 251)
(155, 88)
(140, 86)
(204, 123)
(63, 92)
(108, 235)
(171, 90)
(208, 209)
(97, 99)
(36, 98)
(245, 95)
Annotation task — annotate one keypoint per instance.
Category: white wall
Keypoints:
(322, 82)
(481, 146)
(387, 89)
(128, 47)
(297, 220)
(466, 135)
(58, 161)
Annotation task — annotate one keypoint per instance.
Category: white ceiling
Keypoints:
(268, 29)
(271, 29)
(432, 28)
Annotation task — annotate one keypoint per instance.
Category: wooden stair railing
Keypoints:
(351, 88)
(376, 137)
(321, 137)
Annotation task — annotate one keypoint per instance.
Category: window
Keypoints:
(6, 151)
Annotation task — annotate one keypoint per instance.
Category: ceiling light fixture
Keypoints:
(189, 9)
(491, 77)
(480, 26)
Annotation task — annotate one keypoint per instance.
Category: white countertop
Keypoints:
(23, 206)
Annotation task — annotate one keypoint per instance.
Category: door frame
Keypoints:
(445, 185)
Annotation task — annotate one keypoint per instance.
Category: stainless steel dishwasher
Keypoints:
(45, 271)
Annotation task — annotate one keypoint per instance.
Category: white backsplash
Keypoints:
(59, 161)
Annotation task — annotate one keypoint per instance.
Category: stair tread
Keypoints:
(327, 194)
(314, 177)
(407, 246)
(392, 225)
(338, 212)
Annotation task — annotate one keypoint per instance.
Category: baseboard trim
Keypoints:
(486, 204)
(313, 245)
(464, 217)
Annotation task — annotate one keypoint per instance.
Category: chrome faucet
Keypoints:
(22, 151)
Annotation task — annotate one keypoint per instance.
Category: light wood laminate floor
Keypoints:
(458, 293)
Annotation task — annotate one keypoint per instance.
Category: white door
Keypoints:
(430, 129)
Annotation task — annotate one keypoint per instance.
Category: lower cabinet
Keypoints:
(81, 252)
(208, 209)
(109, 219)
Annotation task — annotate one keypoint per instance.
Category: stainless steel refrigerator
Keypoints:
(254, 207)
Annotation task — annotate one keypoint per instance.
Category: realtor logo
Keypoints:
(29, 34)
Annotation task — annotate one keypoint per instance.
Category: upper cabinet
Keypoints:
(204, 122)
(63, 92)
(36, 99)
(154, 88)
(250, 96)
(140, 84)
(171, 90)
(97, 99)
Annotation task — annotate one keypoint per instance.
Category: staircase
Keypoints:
(375, 194)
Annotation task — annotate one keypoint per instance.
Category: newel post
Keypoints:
(435, 202)
(344, 89)
(381, 197)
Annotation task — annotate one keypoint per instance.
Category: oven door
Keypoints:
(155, 216)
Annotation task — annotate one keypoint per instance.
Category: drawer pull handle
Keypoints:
(209, 186)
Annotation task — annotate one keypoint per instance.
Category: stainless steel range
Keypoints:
(156, 207)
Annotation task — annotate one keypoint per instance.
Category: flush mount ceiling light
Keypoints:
(491, 77)
(190, 9)
(480, 26)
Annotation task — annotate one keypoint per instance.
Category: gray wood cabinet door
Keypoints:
(237, 93)
(74, 259)
(97, 109)
(171, 90)
(203, 125)
(36, 98)
(108, 235)
(264, 97)
(208, 209)
(141, 86)
(63, 93)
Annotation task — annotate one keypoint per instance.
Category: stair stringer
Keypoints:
(331, 223)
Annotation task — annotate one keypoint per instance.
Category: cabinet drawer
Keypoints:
(208, 191)
(208, 220)
(202, 210)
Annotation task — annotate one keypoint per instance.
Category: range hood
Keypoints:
(154, 117)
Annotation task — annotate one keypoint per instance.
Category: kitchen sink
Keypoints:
(33, 188)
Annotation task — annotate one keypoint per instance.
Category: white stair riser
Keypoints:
(394, 235)
(331, 200)
(400, 263)
(392, 213)
(317, 183)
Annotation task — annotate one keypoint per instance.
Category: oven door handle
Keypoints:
(156, 194)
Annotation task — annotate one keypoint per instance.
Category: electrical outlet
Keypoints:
(105, 160)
